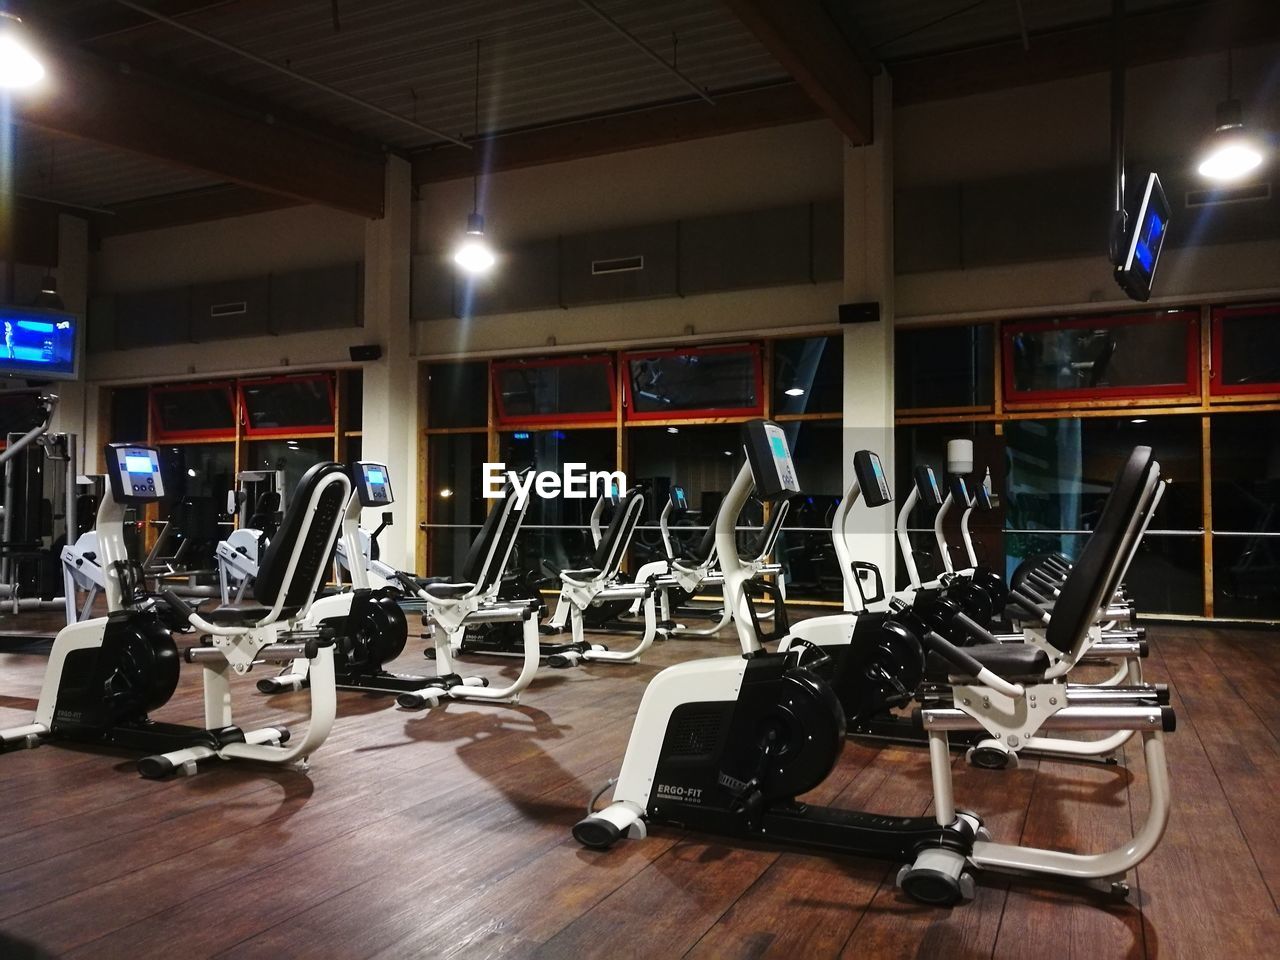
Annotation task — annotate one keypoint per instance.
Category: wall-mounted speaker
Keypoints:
(366, 351)
(868, 312)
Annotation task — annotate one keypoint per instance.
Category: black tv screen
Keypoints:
(38, 344)
(1145, 242)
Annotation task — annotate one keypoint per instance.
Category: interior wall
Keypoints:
(1065, 125)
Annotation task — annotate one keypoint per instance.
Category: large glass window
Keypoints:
(294, 457)
(1246, 350)
(280, 406)
(457, 506)
(1059, 475)
(704, 382)
(1246, 514)
(129, 414)
(562, 390)
(944, 367)
(556, 530)
(808, 375)
(193, 410)
(457, 394)
(1134, 356)
(804, 546)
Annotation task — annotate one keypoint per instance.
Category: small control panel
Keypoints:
(373, 484)
(959, 490)
(983, 498)
(870, 473)
(927, 487)
(678, 500)
(770, 457)
(134, 472)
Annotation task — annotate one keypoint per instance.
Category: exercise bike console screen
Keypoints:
(373, 484)
(959, 490)
(870, 473)
(927, 487)
(770, 457)
(1138, 271)
(135, 473)
(678, 499)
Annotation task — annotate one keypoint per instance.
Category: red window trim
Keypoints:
(1216, 387)
(756, 410)
(293, 430)
(504, 419)
(160, 434)
(1188, 387)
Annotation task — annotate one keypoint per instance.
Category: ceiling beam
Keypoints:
(649, 127)
(115, 23)
(192, 206)
(811, 47)
(1151, 36)
(115, 105)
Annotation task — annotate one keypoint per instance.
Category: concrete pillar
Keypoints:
(73, 286)
(868, 347)
(391, 383)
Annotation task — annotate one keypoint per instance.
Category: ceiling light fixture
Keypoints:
(794, 392)
(446, 493)
(673, 429)
(1139, 420)
(19, 66)
(48, 297)
(474, 255)
(1231, 152)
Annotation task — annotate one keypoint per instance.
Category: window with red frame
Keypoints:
(282, 406)
(193, 411)
(555, 390)
(1246, 350)
(1093, 358)
(692, 383)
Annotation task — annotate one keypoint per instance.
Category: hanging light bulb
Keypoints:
(474, 254)
(1231, 153)
(19, 66)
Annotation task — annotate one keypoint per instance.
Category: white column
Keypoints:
(73, 286)
(391, 383)
(868, 347)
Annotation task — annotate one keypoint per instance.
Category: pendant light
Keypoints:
(473, 254)
(19, 66)
(1231, 152)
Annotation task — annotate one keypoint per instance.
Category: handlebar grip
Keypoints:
(178, 605)
(975, 629)
(954, 655)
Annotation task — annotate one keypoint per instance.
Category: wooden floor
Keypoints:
(446, 834)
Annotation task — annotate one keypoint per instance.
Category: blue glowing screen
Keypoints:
(38, 343)
(138, 463)
(377, 476)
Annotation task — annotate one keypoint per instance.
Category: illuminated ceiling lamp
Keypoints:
(1231, 152)
(19, 66)
(473, 254)
(48, 297)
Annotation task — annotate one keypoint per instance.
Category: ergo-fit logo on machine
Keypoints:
(575, 483)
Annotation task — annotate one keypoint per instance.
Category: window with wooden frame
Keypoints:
(947, 369)
(697, 383)
(193, 411)
(288, 406)
(1150, 355)
(1246, 350)
(555, 390)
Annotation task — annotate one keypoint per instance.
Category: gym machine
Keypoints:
(258, 504)
(106, 675)
(727, 744)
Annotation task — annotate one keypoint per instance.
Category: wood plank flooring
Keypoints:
(446, 834)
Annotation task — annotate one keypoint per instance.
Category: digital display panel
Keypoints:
(1138, 271)
(377, 476)
(38, 344)
(678, 498)
(138, 463)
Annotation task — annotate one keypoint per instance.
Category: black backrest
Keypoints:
(197, 518)
(1086, 587)
(614, 542)
(485, 558)
(266, 514)
(764, 541)
(316, 548)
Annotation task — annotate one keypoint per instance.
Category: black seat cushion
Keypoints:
(1012, 661)
(239, 616)
(587, 573)
(448, 591)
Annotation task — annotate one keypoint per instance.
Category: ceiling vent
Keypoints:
(1220, 195)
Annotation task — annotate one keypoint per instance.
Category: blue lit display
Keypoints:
(138, 463)
(38, 344)
(377, 476)
(1138, 271)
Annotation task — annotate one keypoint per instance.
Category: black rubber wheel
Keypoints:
(557, 661)
(596, 834)
(411, 701)
(932, 887)
(988, 758)
(266, 686)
